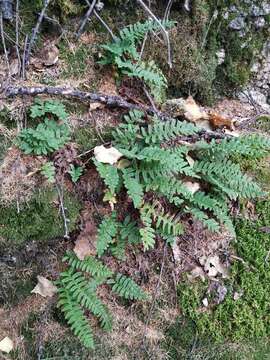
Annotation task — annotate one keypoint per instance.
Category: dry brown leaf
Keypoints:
(6, 345)
(217, 121)
(195, 273)
(82, 248)
(176, 252)
(107, 155)
(14, 67)
(44, 287)
(107, 85)
(96, 105)
(50, 54)
(213, 266)
(192, 186)
(192, 110)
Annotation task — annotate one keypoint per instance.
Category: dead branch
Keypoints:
(60, 191)
(105, 25)
(164, 31)
(4, 42)
(17, 35)
(86, 18)
(108, 100)
(35, 32)
(23, 58)
(167, 10)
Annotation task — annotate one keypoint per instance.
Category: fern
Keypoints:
(157, 170)
(48, 170)
(90, 265)
(109, 174)
(78, 293)
(127, 288)
(75, 172)
(133, 186)
(106, 233)
(123, 53)
(75, 317)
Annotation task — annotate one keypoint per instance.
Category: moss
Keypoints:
(247, 318)
(37, 220)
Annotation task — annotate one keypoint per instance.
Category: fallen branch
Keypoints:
(85, 19)
(108, 100)
(35, 32)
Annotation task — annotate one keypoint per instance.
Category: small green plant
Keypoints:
(48, 136)
(77, 288)
(123, 54)
(154, 174)
(48, 170)
(75, 172)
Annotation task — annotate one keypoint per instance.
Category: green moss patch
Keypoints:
(246, 318)
(37, 220)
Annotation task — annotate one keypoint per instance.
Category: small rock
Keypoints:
(205, 302)
(238, 23)
(259, 23)
(221, 56)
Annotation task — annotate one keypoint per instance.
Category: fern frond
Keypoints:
(165, 222)
(90, 265)
(200, 215)
(75, 317)
(129, 231)
(127, 288)
(147, 233)
(168, 130)
(133, 186)
(81, 292)
(106, 232)
(109, 174)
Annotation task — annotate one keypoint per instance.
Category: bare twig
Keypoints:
(105, 25)
(167, 10)
(35, 32)
(4, 43)
(60, 191)
(151, 100)
(109, 100)
(17, 36)
(23, 59)
(164, 31)
(86, 17)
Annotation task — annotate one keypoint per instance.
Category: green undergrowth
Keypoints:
(39, 219)
(87, 137)
(247, 318)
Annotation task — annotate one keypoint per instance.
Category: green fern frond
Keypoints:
(167, 130)
(133, 186)
(109, 174)
(90, 265)
(200, 215)
(127, 288)
(147, 232)
(129, 231)
(80, 290)
(48, 170)
(75, 317)
(165, 222)
(106, 233)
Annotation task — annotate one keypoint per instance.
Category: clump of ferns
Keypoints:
(124, 54)
(167, 182)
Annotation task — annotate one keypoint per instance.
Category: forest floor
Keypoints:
(178, 321)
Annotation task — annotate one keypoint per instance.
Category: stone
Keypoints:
(238, 23)
(259, 23)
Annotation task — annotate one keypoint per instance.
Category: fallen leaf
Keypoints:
(237, 295)
(213, 267)
(111, 198)
(192, 186)
(176, 252)
(95, 105)
(107, 155)
(123, 163)
(50, 55)
(82, 248)
(195, 273)
(217, 121)
(44, 287)
(205, 302)
(6, 345)
(190, 160)
(14, 67)
(192, 110)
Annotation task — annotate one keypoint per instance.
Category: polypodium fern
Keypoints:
(127, 288)
(78, 293)
(123, 53)
(106, 233)
(162, 168)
